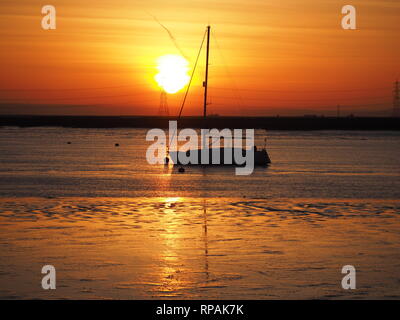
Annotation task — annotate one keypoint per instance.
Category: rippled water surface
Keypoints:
(116, 227)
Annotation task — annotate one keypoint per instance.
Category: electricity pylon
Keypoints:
(163, 109)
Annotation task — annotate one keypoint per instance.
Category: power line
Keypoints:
(302, 100)
(311, 90)
(383, 104)
(216, 88)
(73, 98)
(173, 39)
(65, 89)
(235, 90)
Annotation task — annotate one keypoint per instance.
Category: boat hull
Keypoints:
(261, 157)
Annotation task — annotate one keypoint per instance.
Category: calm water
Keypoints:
(39, 162)
(116, 227)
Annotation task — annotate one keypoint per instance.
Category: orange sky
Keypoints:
(268, 57)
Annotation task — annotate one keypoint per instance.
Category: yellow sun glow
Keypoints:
(172, 73)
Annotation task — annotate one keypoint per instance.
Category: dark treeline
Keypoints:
(269, 123)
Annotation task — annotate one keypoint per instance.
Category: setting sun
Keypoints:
(172, 73)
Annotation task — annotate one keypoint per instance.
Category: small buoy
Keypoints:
(181, 170)
(117, 144)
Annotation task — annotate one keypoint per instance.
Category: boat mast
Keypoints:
(205, 83)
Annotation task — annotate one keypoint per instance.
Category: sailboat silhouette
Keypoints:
(223, 154)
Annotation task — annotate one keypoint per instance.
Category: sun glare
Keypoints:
(172, 73)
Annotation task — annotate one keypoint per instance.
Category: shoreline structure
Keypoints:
(219, 122)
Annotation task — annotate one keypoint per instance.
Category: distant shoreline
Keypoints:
(268, 123)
